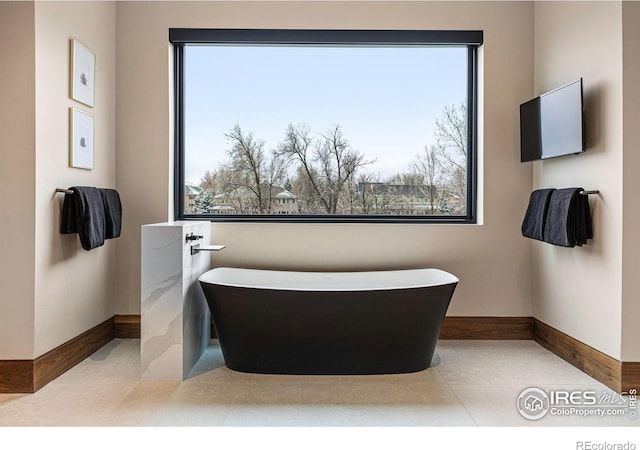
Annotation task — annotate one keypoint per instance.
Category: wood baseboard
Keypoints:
(127, 326)
(16, 376)
(27, 376)
(54, 363)
(487, 328)
(594, 363)
(630, 376)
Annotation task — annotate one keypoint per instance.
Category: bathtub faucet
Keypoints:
(193, 237)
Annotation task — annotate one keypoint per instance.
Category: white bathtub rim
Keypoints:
(281, 280)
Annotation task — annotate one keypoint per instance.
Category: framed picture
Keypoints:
(81, 139)
(83, 67)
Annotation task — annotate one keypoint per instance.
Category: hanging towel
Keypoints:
(583, 225)
(536, 216)
(112, 213)
(68, 223)
(568, 219)
(83, 213)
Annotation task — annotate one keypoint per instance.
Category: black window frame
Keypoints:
(472, 39)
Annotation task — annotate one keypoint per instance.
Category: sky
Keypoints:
(386, 100)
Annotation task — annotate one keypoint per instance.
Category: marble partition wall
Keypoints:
(175, 318)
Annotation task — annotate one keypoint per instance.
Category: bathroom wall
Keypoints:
(579, 290)
(52, 289)
(491, 259)
(17, 178)
(631, 182)
(74, 288)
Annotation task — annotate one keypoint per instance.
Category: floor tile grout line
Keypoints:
(458, 398)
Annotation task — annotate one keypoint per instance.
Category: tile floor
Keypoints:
(471, 383)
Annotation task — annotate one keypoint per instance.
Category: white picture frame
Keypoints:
(81, 129)
(83, 67)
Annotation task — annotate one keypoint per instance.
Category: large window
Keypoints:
(335, 126)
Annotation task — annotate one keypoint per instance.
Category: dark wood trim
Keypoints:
(594, 363)
(127, 326)
(16, 376)
(27, 376)
(630, 376)
(487, 328)
(57, 361)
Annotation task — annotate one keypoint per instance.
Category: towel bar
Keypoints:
(589, 192)
(64, 191)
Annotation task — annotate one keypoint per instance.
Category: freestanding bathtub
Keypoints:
(321, 323)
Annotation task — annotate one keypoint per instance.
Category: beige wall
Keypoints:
(492, 259)
(52, 290)
(17, 179)
(631, 183)
(578, 291)
(74, 288)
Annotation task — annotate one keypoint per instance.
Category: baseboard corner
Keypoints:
(127, 326)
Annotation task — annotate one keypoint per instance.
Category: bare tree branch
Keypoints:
(428, 169)
(296, 146)
(451, 128)
(251, 170)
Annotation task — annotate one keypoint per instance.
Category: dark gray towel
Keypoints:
(83, 213)
(112, 213)
(583, 227)
(568, 219)
(536, 216)
(68, 223)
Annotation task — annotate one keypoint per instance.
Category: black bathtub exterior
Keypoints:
(275, 331)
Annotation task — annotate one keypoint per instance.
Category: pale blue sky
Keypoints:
(385, 99)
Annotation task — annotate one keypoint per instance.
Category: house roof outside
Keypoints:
(191, 190)
(286, 194)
